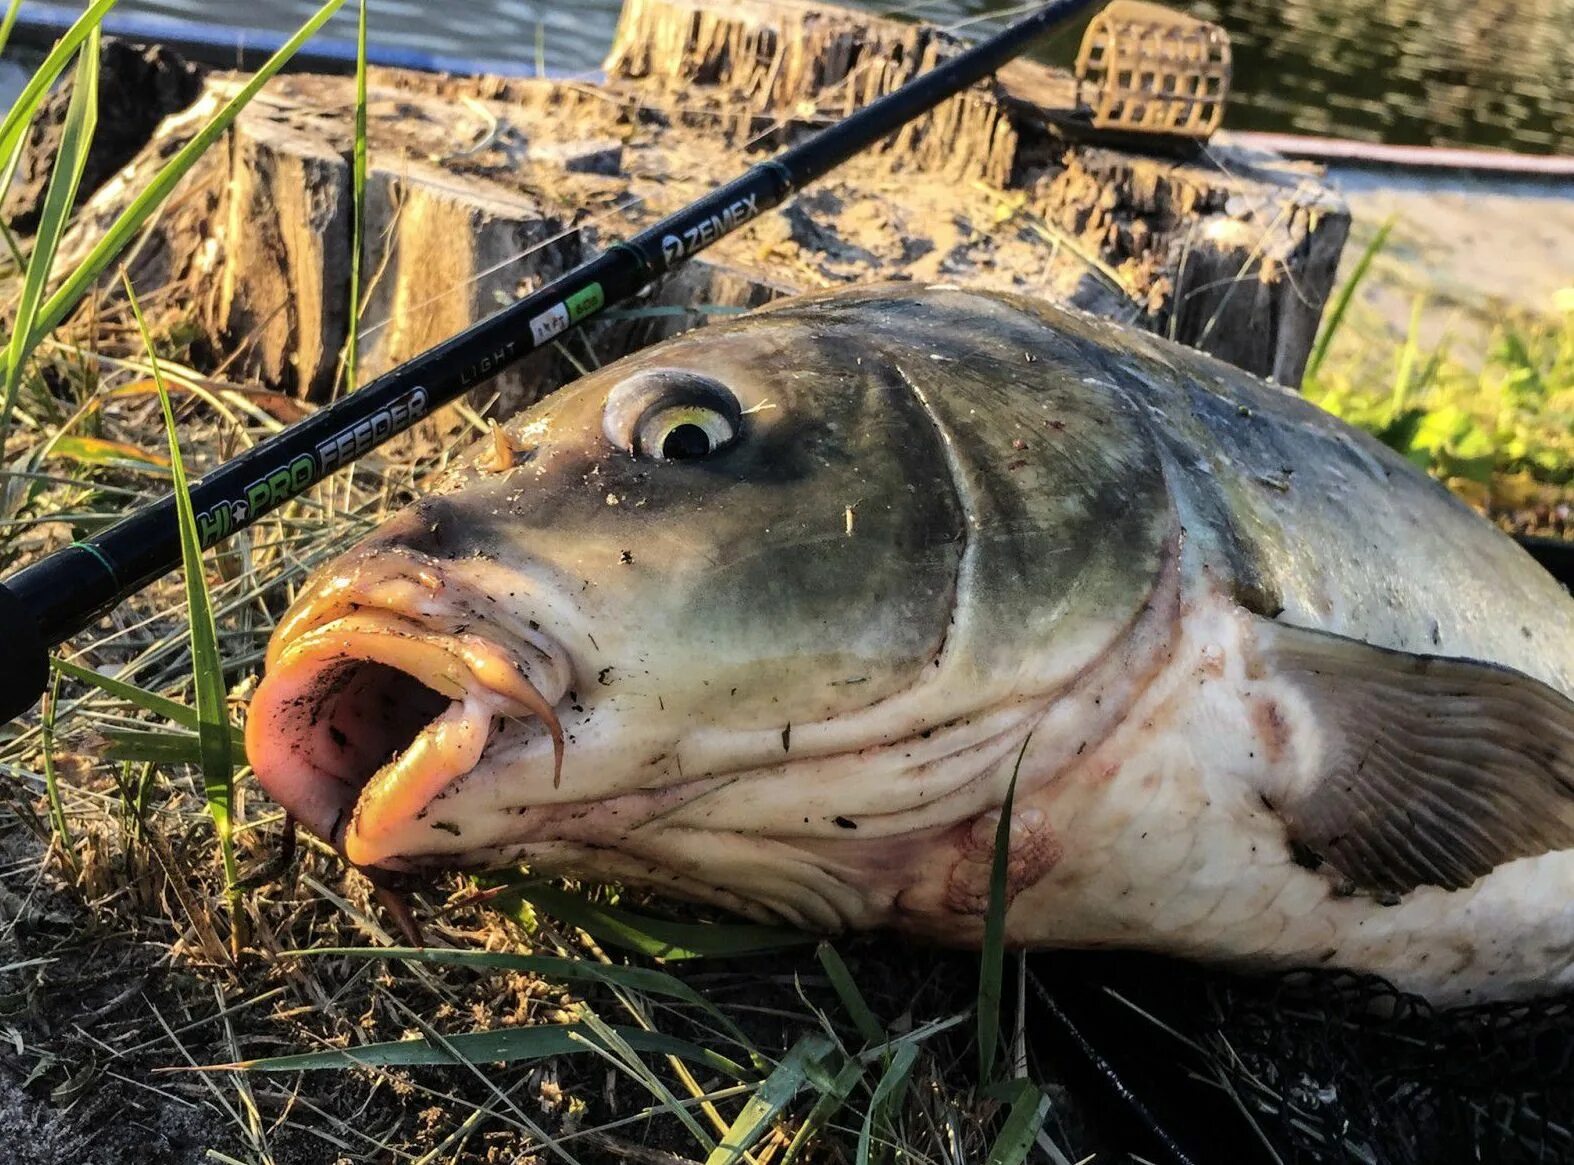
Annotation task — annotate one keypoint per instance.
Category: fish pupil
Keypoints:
(685, 443)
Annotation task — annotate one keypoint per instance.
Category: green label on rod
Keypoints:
(585, 301)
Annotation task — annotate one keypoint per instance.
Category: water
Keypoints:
(1494, 73)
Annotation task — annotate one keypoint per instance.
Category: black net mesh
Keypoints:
(1310, 1067)
(1340, 1067)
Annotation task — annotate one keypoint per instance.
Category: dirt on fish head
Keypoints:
(757, 616)
(666, 578)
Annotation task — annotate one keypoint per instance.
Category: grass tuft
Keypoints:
(501, 1046)
(57, 808)
(1028, 1107)
(774, 1093)
(656, 937)
(27, 103)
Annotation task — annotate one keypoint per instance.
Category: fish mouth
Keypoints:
(368, 716)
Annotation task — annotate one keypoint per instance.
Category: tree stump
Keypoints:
(481, 189)
(137, 88)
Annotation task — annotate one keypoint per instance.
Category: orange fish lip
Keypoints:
(336, 733)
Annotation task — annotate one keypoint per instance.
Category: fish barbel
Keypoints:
(768, 616)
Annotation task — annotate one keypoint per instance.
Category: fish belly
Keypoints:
(1170, 841)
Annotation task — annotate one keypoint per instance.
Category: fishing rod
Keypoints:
(47, 602)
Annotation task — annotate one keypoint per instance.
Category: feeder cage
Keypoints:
(1143, 68)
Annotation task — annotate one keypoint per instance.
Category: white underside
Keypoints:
(1167, 845)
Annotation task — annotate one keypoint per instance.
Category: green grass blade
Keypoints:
(774, 1094)
(75, 141)
(991, 961)
(656, 937)
(25, 107)
(99, 453)
(162, 748)
(833, 1096)
(1342, 300)
(625, 1059)
(213, 724)
(173, 710)
(885, 1093)
(504, 1046)
(148, 701)
(352, 350)
(1404, 372)
(131, 220)
(1026, 1118)
(11, 11)
(647, 980)
(852, 999)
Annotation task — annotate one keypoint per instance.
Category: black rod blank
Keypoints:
(52, 599)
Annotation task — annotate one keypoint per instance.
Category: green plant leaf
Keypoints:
(213, 724)
(25, 107)
(148, 701)
(775, 1092)
(124, 229)
(648, 980)
(892, 1082)
(1029, 1106)
(852, 999)
(57, 807)
(102, 453)
(1342, 299)
(834, 1092)
(164, 747)
(352, 343)
(160, 747)
(991, 962)
(11, 11)
(75, 141)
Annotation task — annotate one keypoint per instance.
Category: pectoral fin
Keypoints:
(1432, 770)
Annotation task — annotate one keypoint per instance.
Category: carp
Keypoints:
(773, 614)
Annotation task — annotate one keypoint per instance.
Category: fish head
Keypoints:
(683, 568)
(719, 618)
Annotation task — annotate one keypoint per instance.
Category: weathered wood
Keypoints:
(451, 249)
(815, 62)
(172, 255)
(441, 248)
(1237, 254)
(287, 233)
(480, 190)
(137, 87)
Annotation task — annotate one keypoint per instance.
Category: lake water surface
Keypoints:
(1495, 73)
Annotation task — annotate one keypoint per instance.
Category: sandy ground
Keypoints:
(1471, 245)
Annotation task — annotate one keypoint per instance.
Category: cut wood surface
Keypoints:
(481, 189)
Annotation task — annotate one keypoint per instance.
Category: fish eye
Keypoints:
(670, 414)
